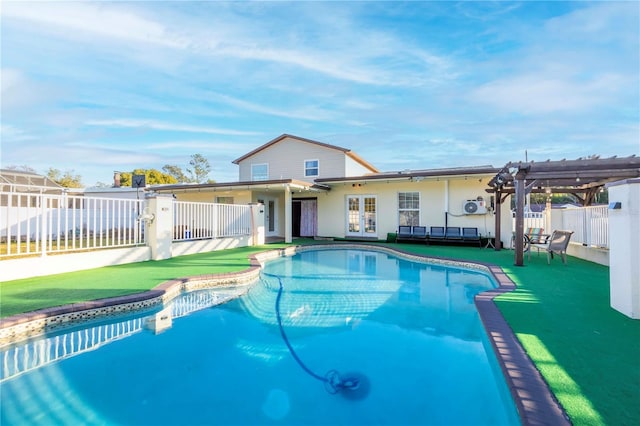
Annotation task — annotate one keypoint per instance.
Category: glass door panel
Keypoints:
(353, 215)
(361, 215)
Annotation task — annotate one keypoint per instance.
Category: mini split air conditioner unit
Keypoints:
(474, 207)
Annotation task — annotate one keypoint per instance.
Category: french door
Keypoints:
(362, 216)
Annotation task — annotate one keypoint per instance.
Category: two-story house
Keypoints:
(310, 188)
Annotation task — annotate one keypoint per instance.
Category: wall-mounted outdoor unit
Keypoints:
(474, 207)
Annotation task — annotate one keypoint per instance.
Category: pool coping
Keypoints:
(535, 403)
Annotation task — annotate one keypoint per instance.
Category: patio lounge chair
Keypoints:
(404, 233)
(419, 233)
(436, 233)
(453, 233)
(557, 243)
(408, 233)
(531, 236)
(471, 235)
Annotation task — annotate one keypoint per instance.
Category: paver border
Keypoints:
(535, 403)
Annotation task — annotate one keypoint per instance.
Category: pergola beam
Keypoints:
(582, 177)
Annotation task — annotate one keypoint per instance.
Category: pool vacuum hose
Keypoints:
(352, 385)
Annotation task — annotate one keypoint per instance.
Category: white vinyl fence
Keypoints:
(41, 224)
(197, 221)
(590, 225)
(38, 223)
(531, 220)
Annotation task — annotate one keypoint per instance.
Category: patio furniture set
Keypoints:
(439, 234)
(534, 238)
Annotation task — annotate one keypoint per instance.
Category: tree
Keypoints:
(200, 168)
(152, 177)
(68, 179)
(176, 172)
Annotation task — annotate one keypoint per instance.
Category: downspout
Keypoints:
(446, 203)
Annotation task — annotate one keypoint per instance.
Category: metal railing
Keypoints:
(198, 221)
(41, 224)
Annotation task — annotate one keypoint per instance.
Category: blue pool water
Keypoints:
(409, 328)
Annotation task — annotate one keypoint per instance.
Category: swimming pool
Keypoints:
(410, 328)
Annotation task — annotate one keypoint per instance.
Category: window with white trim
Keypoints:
(260, 171)
(408, 208)
(311, 168)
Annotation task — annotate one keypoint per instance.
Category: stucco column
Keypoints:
(624, 246)
(158, 217)
(287, 215)
(257, 224)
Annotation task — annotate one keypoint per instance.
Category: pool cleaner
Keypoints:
(352, 386)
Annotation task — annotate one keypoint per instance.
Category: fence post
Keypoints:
(158, 218)
(43, 225)
(586, 226)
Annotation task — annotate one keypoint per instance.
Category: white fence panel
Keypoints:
(197, 221)
(589, 224)
(531, 220)
(37, 223)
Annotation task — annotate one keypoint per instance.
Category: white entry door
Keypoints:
(362, 216)
(270, 216)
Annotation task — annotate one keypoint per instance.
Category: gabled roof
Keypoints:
(346, 151)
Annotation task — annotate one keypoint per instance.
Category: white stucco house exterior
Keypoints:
(315, 189)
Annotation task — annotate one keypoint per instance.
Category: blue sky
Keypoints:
(101, 86)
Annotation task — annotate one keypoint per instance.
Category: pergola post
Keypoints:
(498, 204)
(519, 243)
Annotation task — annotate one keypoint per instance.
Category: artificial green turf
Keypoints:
(30, 294)
(588, 352)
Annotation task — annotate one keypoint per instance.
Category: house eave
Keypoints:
(416, 175)
(274, 184)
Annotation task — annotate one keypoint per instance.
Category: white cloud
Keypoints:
(78, 19)
(159, 125)
(19, 91)
(302, 112)
(10, 134)
(543, 94)
(353, 53)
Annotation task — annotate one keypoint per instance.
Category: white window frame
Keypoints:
(317, 168)
(253, 175)
(409, 209)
